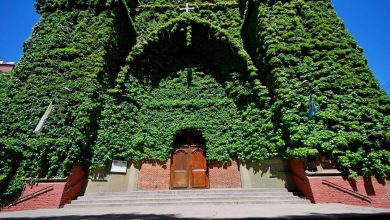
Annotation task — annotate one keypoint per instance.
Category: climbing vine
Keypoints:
(70, 59)
(125, 76)
(305, 40)
(149, 17)
(229, 120)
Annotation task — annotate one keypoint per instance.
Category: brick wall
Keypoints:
(51, 193)
(302, 183)
(337, 189)
(74, 185)
(378, 192)
(47, 199)
(224, 175)
(154, 176)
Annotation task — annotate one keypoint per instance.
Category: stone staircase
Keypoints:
(187, 197)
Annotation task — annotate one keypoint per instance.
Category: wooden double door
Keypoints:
(189, 168)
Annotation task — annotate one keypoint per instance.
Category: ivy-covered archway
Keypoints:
(189, 74)
(188, 137)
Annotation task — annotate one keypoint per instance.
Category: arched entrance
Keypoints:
(188, 162)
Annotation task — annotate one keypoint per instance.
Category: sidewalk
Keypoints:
(271, 211)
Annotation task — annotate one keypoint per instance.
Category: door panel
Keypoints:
(199, 178)
(189, 168)
(179, 171)
(180, 179)
(198, 169)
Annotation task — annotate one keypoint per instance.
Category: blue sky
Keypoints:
(367, 20)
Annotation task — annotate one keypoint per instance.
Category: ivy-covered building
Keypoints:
(190, 95)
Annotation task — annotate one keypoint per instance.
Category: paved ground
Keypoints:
(272, 211)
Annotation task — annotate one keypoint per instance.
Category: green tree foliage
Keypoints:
(126, 75)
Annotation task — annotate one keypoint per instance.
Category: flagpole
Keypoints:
(49, 109)
(41, 122)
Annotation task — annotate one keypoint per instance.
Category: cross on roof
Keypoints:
(187, 8)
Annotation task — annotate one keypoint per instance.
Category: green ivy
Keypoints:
(70, 60)
(305, 40)
(235, 121)
(125, 76)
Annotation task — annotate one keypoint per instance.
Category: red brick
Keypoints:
(224, 175)
(74, 185)
(301, 182)
(154, 175)
(60, 194)
(314, 188)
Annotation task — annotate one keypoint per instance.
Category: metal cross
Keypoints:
(187, 8)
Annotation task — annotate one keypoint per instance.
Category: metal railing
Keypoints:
(32, 195)
(346, 190)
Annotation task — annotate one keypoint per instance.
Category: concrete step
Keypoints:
(196, 191)
(137, 196)
(85, 199)
(187, 197)
(161, 203)
(184, 199)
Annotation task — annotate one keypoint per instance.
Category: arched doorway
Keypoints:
(188, 162)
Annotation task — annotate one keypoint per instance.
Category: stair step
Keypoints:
(224, 202)
(135, 196)
(233, 190)
(183, 199)
(187, 197)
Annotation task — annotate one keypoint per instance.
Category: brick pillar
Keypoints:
(301, 181)
(74, 185)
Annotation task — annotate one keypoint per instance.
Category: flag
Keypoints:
(44, 117)
(312, 108)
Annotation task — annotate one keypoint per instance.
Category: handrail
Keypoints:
(346, 190)
(32, 195)
(74, 184)
(45, 180)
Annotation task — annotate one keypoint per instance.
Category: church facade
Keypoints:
(152, 95)
(181, 112)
